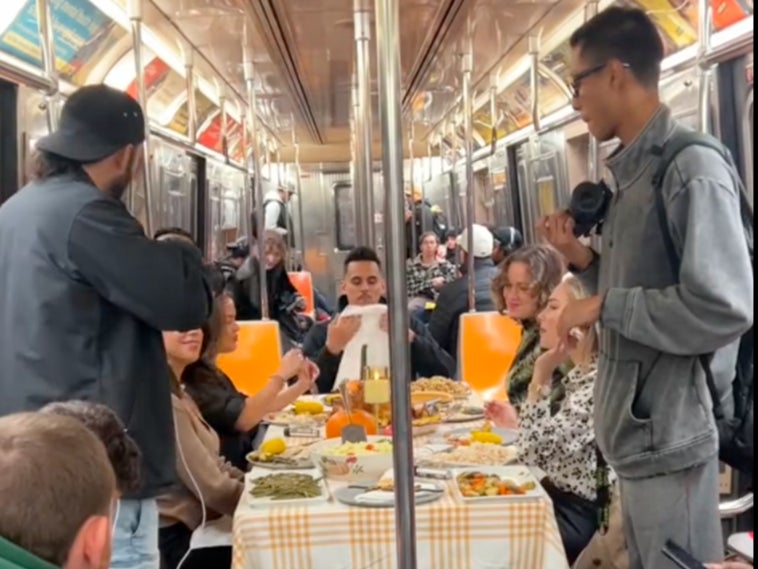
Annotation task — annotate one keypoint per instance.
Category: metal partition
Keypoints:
(175, 198)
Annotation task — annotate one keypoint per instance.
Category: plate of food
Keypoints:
(274, 454)
(463, 414)
(486, 434)
(456, 389)
(286, 488)
(302, 412)
(475, 454)
(381, 494)
(491, 483)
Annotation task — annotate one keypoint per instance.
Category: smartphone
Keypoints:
(682, 558)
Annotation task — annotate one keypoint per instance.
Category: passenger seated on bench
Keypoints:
(363, 285)
(234, 415)
(562, 445)
(524, 281)
(58, 494)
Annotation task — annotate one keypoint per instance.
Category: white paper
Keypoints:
(215, 533)
(369, 333)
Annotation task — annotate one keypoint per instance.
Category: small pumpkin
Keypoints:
(342, 419)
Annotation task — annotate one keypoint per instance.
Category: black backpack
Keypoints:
(736, 433)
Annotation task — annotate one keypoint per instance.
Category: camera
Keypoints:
(589, 206)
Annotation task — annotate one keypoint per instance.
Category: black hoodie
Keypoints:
(427, 358)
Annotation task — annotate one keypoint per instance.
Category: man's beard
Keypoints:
(118, 187)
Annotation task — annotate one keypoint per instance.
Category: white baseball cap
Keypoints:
(483, 241)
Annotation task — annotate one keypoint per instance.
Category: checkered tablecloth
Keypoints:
(449, 535)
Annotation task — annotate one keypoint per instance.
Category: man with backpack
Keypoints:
(674, 296)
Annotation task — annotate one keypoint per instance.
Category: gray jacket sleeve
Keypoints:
(712, 305)
(162, 283)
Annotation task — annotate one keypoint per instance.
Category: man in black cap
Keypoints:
(84, 295)
(507, 240)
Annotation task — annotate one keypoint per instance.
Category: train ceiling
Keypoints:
(304, 54)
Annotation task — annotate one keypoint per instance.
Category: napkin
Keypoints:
(369, 333)
(383, 497)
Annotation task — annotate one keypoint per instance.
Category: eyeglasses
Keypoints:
(576, 82)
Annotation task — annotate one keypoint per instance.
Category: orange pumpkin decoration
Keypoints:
(341, 419)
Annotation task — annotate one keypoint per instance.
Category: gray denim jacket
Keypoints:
(653, 412)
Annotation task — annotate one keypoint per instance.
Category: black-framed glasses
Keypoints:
(576, 82)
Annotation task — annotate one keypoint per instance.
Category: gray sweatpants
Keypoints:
(682, 507)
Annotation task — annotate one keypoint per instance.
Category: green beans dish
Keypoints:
(286, 486)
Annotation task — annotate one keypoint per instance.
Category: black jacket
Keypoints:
(245, 290)
(453, 301)
(427, 358)
(84, 295)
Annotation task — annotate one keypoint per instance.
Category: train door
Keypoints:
(542, 179)
(175, 198)
(502, 199)
(224, 216)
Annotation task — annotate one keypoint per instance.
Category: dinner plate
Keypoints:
(509, 436)
(350, 496)
(269, 502)
(518, 474)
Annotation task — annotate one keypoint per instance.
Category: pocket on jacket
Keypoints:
(622, 428)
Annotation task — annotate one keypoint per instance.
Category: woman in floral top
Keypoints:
(563, 444)
(520, 290)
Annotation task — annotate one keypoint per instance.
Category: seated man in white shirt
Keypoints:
(363, 285)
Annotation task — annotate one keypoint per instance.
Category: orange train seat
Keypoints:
(257, 357)
(487, 346)
(303, 282)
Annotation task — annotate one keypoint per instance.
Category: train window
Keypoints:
(345, 216)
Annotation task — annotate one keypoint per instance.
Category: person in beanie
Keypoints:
(85, 295)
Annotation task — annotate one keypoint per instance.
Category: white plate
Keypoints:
(519, 474)
(268, 502)
(509, 436)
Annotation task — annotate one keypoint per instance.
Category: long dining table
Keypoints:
(503, 534)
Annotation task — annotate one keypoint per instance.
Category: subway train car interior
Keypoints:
(386, 124)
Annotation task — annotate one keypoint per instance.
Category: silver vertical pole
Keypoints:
(359, 177)
(135, 16)
(362, 28)
(298, 190)
(593, 155)
(388, 58)
(412, 168)
(260, 217)
(47, 42)
(189, 68)
(705, 73)
(468, 126)
(534, 79)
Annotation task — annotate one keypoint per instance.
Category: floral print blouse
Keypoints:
(563, 444)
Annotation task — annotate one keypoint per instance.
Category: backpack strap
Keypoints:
(667, 154)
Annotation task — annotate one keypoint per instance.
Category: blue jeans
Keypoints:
(135, 537)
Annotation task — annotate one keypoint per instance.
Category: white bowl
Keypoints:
(354, 468)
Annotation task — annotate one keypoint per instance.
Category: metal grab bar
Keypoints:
(736, 507)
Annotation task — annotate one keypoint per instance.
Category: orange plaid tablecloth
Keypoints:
(449, 535)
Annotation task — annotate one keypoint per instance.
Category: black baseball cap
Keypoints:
(96, 121)
(508, 237)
